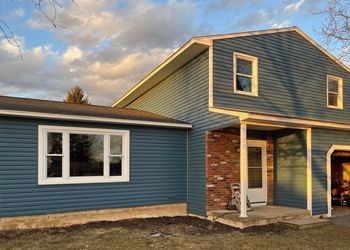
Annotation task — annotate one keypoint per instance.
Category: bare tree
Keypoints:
(76, 95)
(335, 29)
(48, 8)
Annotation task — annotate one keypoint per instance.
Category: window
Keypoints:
(334, 92)
(245, 74)
(255, 167)
(69, 155)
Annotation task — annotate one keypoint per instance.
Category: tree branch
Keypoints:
(335, 29)
(9, 36)
(42, 6)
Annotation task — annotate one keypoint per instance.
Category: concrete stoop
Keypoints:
(303, 223)
(259, 216)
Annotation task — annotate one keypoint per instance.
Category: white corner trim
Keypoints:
(66, 179)
(309, 168)
(329, 173)
(211, 77)
(91, 119)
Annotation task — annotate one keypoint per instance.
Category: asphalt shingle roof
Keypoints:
(63, 108)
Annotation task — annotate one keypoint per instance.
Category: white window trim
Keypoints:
(66, 179)
(340, 92)
(254, 76)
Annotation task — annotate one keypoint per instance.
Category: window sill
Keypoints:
(83, 180)
(245, 93)
(334, 107)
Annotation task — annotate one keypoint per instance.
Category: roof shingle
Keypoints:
(72, 109)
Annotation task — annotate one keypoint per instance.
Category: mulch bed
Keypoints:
(166, 225)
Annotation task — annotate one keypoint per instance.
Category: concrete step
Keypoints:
(306, 222)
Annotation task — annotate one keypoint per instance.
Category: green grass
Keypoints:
(180, 233)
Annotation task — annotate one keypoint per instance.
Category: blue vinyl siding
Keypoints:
(158, 171)
(291, 79)
(184, 96)
(322, 141)
(290, 183)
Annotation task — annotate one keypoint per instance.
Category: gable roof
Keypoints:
(193, 48)
(43, 109)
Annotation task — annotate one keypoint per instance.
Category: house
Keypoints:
(62, 163)
(265, 109)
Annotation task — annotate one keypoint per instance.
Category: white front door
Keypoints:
(257, 172)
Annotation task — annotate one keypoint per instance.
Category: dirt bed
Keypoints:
(175, 233)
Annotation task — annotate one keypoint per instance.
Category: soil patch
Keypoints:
(166, 225)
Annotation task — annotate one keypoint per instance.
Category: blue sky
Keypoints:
(108, 46)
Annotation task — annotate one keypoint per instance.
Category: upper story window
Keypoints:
(69, 155)
(334, 92)
(245, 74)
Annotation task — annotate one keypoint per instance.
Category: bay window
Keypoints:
(69, 155)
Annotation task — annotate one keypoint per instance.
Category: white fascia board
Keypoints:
(91, 119)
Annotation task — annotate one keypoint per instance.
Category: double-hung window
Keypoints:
(245, 74)
(334, 92)
(69, 155)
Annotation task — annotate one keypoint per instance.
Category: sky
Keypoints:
(108, 46)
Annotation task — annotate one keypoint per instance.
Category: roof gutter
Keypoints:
(19, 113)
(277, 119)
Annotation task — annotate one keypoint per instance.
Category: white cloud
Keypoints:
(294, 7)
(20, 12)
(256, 19)
(46, 74)
(136, 24)
(72, 53)
(110, 48)
(283, 24)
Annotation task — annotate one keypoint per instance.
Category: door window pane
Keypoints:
(254, 167)
(116, 145)
(254, 178)
(86, 155)
(54, 166)
(54, 143)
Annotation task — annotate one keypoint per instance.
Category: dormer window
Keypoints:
(334, 92)
(245, 74)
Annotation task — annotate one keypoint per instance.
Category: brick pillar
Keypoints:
(270, 172)
(222, 166)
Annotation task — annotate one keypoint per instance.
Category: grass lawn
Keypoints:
(175, 233)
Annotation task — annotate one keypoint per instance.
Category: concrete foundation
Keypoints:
(72, 218)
